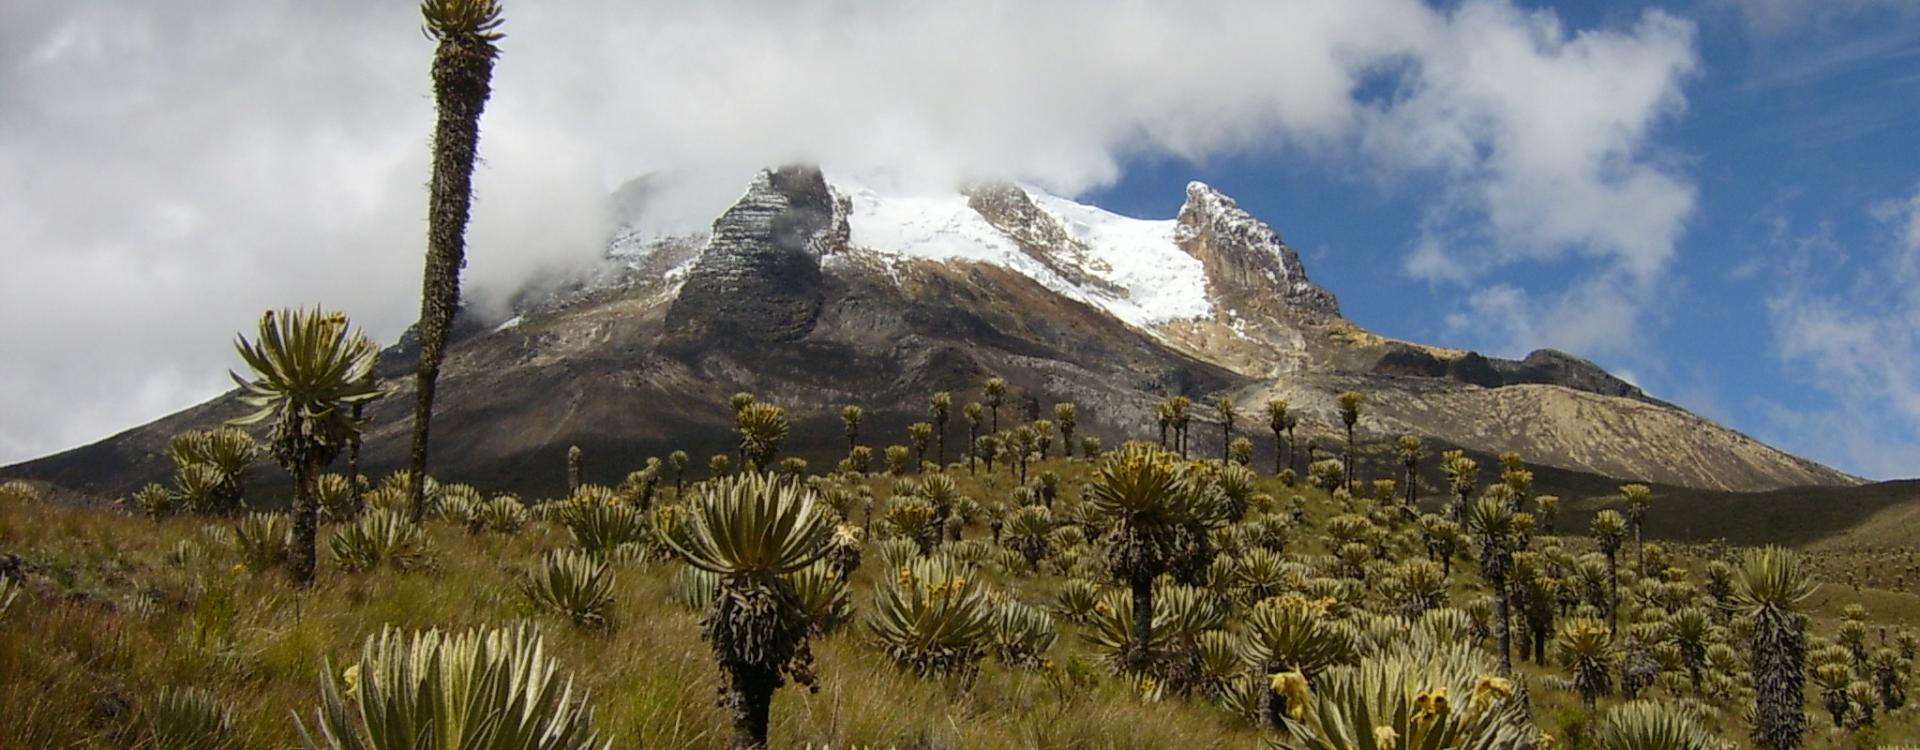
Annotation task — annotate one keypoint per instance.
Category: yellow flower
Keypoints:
(1293, 685)
(1430, 705)
(1489, 690)
(239, 568)
(352, 677)
(1384, 736)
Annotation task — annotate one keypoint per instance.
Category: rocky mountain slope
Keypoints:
(815, 293)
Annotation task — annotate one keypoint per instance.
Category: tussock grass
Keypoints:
(111, 620)
(110, 617)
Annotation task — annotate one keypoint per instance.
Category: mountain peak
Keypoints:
(1197, 190)
(1248, 266)
(759, 275)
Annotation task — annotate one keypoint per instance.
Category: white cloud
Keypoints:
(167, 172)
(1855, 338)
(1546, 136)
(1600, 314)
(1902, 217)
(1775, 18)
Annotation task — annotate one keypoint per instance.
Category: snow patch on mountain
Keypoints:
(1157, 281)
(1163, 282)
(938, 227)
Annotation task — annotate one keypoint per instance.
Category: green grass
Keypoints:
(108, 619)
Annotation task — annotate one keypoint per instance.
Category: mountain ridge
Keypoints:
(815, 292)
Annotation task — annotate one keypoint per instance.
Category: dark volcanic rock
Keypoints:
(759, 276)
(1542, 367)
(1475, 369)
(1550, 367)
(1408, 361)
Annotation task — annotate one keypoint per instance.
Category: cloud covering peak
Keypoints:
(167, 172)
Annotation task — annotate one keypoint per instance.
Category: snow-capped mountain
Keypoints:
(815, 291)
(1137, 270)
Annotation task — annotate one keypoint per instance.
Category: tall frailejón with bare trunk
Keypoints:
(310, 369)
(467, 32)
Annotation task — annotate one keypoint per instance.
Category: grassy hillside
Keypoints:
(1872, 516)
(115, 607)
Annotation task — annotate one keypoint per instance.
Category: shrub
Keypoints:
(380, 537)
(1416, 587)
(1262, 573)
(397, 488)
(572, 583)
(1217, 655)
(933, 618)
(1181, 614)
(1290, 633)
(1648, 725)
(750, 531)
(1027, 531)
(1075, 600)
(692, 588)
(913, 518)
(19, 491)
(599, 527)
(1109, 629)
(823, 594)
(504, 514)
(458, 504)
(1064, 537)
(153, 500)
(1406, 699)
(1588, 650)
(335, 495)
(897, 553)
(185, 552)
(263, 539)
(1022, 633)
(186, 719)
(9, 592)
(1445, 625)
(477, 690)
(387, 497)
(1242, 696)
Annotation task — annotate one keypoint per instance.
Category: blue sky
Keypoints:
(1803, 142)
(1717, 198)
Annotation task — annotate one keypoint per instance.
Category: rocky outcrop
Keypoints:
(1010, 210)
(1551, 367)
(1542, 367)
(1248, 266)
(758, 278)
